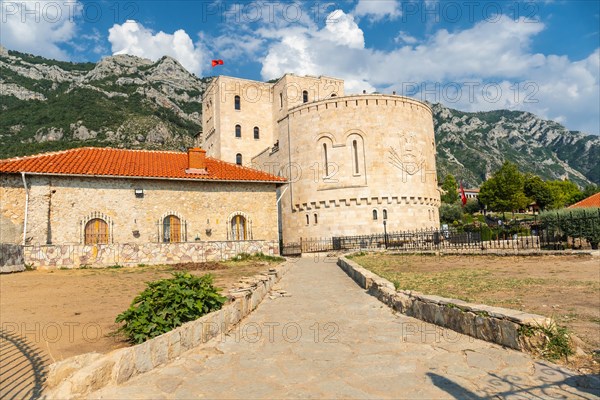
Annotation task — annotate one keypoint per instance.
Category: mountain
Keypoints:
(471, 146)
(131, 102)
(122, 101)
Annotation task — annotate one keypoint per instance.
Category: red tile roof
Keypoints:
(94, 161)
(592, 201)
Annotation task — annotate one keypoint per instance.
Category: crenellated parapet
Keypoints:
(367, 201)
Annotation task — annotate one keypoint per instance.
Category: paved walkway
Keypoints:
(330, 339)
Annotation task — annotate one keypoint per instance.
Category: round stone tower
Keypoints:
(355, 162)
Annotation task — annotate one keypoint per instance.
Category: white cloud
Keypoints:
(38, 27)
(341, 29)
(404, 37)
(491, 63)
(377, 10)
(135, 39)
(314, 52)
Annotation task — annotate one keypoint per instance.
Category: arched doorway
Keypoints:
(239, 228)
(171, 229)
(96, 232)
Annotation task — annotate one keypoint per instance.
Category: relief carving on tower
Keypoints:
(406, 155)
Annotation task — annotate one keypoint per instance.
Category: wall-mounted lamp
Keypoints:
(139, 193)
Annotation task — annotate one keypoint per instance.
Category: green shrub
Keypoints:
(576, 223)
(168, 303)
(450, 213)
(472, 207)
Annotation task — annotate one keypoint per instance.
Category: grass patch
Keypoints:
(556, 340)
(259, 257)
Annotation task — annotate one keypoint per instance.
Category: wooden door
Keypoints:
(238, 227)
(96, 232)
(172, 229)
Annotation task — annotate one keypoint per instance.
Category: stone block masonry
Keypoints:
(11, 258)
(78, 376)
(132, 254)
(493, 324)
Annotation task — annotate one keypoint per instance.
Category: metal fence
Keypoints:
(530, 235)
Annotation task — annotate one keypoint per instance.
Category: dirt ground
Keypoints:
(63, 313)
(566, 288)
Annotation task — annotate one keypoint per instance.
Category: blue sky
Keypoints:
(471, 55)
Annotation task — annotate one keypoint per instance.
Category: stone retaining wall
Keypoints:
(493, 324)
(77, 255)
(78, 376)
(11, 258)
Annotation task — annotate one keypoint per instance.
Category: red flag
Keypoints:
(217, 62)
(463, 197)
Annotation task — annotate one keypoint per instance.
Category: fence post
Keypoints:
(385, 236)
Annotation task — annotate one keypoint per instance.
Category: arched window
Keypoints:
(237, 102)
(355, 154)
(239, 229)
(238, 131)
(325, 159)
(96, 232)
(384, 214)
(171, 229)
(316, 219)
(333, 95)
(305, 96)
(256, 133)
(374, 215)
(238, 159)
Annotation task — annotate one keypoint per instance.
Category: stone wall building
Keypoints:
(352, 162)
(105, 196)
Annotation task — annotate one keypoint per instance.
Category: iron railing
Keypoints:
(530, 235)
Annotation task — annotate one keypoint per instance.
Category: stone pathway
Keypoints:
(330, 339)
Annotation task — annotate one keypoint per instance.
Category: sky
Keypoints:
(472, 55)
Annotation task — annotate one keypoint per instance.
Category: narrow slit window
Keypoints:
(384, 214)
(307, 219)
(280, 100)
(305, 96)
(325, 159)
(238, 104)
(355, 152)
(316, 219)
(238, 131)
(256, 133)
(238, 159)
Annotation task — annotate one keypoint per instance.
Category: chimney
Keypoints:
(196, 161)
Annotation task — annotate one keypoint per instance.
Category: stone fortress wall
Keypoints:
(351, 161)
(59, 207)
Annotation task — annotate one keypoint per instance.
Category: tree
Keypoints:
(472, 207)
(450, 188)
(538, 190)
(590, 190)
(450, 213)
(504, 190)
(564, 193)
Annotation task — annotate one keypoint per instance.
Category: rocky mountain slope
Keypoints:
(472, 146)
(122, 101)
(127, 101)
